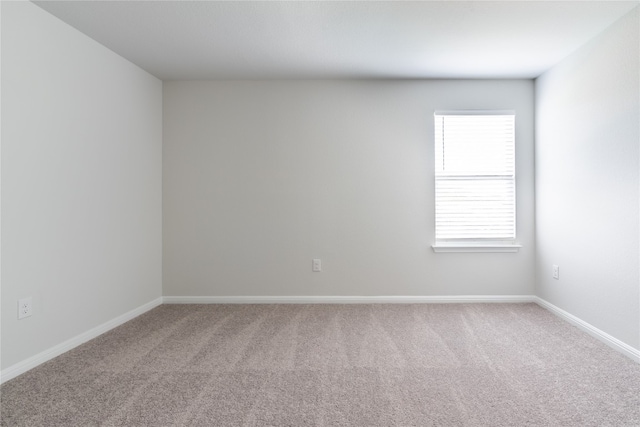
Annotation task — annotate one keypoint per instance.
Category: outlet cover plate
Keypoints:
(25, 308)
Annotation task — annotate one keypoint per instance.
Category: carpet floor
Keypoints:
(332, 365)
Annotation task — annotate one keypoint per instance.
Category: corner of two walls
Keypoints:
(587, 182)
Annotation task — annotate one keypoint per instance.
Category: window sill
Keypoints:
(475, 247)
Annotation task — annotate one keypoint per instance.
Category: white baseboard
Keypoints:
(30, 363)
(612, 342)
(391, 299)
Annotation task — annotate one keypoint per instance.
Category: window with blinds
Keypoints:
(475, 176)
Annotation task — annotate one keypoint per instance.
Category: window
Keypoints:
(475, 206)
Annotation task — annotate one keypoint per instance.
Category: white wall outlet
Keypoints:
(317, 265)
(25, 308)
(556, 272)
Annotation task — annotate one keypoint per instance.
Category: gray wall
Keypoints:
(81, 182)
(587, 182)
(261, 177)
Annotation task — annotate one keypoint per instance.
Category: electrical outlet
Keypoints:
(556, 272)
(25, 308)
(317, 265)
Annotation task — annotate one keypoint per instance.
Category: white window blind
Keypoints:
(475, 176)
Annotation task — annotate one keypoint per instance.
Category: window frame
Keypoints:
(476, 244)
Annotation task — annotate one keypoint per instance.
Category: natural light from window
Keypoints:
(475, 178)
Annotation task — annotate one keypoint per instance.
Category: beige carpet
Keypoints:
(333, 365)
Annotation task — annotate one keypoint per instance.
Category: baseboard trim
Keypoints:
(30, 363)
(391, 299)
(602, 336)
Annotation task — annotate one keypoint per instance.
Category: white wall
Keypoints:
(260, 177)
(587, 182)
(81, 182)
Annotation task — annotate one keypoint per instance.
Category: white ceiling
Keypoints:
(185, 40)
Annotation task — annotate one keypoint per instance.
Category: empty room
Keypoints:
(327, 213)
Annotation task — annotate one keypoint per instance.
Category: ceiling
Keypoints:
(188, 40)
